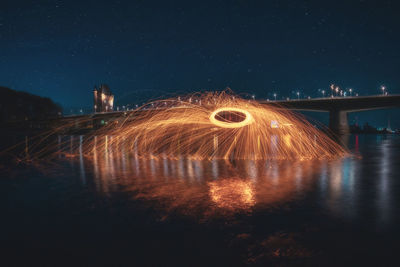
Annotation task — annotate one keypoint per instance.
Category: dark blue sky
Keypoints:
(60, 49)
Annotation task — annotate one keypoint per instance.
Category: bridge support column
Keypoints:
(338, 122)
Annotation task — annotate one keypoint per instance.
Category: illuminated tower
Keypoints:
(103, 99)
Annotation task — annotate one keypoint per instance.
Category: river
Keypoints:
(127, 211)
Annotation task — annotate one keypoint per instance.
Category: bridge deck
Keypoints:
(349, 104)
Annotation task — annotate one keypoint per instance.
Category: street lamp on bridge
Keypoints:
(383, 88)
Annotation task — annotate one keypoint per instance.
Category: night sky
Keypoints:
(146, 49)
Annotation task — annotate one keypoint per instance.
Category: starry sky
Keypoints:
(147, 49)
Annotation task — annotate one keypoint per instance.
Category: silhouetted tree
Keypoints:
(16, 106)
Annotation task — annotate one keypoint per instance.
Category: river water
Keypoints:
(125, 211)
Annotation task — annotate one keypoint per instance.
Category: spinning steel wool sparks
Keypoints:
(217, 117)
(215, 126)
(204, 126)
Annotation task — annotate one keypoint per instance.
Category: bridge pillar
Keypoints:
(338, 122)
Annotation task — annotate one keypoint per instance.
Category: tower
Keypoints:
(103, 99)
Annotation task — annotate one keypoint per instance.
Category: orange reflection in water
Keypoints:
(200, 188)
(232, 194)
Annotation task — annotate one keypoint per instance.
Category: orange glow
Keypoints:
(193, 127)
(232, 194)
(248, 118)
(207, 126)
(199, 188)
(184, 186)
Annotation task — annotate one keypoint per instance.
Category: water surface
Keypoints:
(118, 209)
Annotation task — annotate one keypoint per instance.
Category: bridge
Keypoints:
(339, 107)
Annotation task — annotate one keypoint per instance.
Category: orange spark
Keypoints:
(213, 125)
(218, 126)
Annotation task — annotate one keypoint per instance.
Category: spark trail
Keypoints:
(216, 125)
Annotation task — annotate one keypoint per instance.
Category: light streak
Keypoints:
(208, 126)
(185, 128)
(218, 122)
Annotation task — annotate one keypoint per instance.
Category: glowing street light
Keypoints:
(350, 90)
(298, 95)
(323, 93)
(275, 96)
(332, 89)
(383, 88)
(253, 96)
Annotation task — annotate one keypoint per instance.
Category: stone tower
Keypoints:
(103, 99)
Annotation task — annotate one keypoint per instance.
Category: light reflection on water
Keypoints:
(250, 211)
(204, 186)
(218, 187)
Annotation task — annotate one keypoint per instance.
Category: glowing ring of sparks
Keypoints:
(248, 120)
